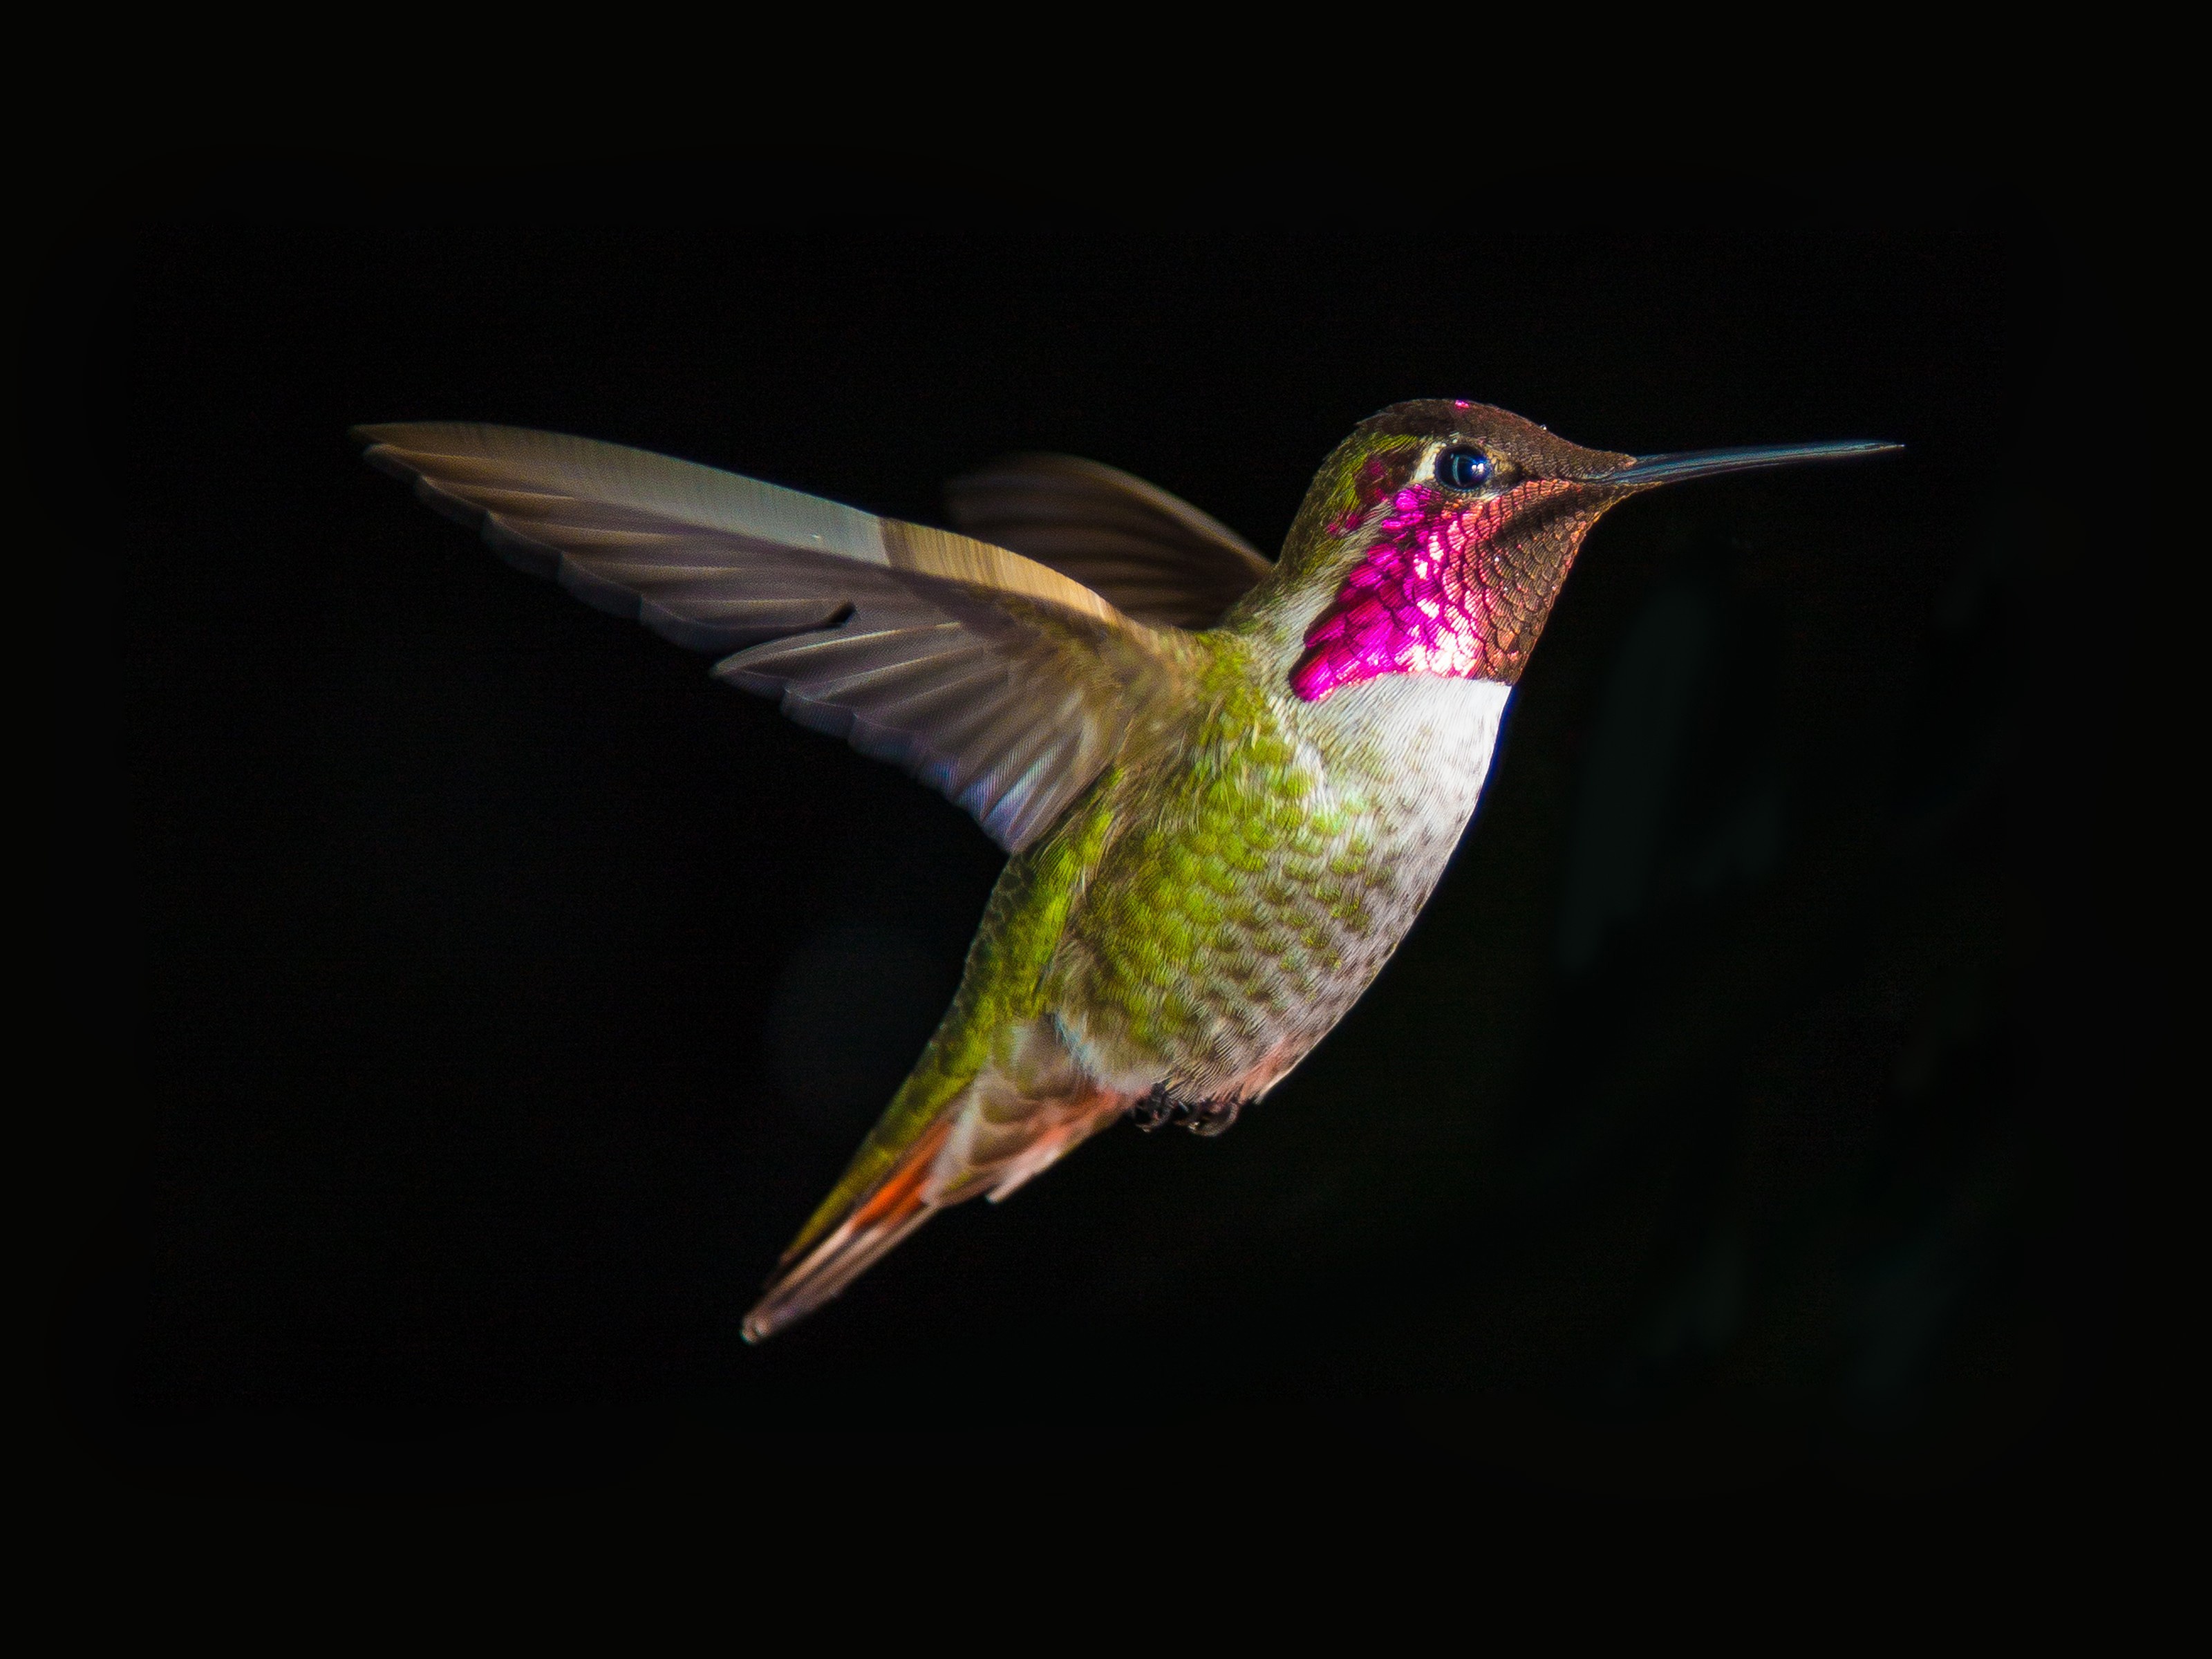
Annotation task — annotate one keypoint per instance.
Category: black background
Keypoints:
(465, 999)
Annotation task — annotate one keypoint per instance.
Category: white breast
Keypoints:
(1418, 746)
(1408, 755)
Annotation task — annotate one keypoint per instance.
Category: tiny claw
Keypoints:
(1215, 1117)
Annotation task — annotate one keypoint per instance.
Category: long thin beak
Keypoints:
(1649, 470)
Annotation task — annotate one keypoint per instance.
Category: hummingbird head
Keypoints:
(1438, 536)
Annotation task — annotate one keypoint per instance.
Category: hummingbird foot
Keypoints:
(1201, 1117)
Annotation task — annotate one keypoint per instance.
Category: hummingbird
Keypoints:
(1227, 785)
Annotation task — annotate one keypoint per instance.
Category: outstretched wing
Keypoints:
(1001, 683)
(1156, 556)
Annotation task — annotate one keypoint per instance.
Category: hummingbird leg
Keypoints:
(1154, 1110)
(1200, 1117)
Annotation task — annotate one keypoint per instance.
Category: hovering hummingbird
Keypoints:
(1227, 786)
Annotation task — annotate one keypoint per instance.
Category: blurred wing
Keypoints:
(1156, 557)
(1001, 683)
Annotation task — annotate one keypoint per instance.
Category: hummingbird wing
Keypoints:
(1002, 682)
(1153, 555)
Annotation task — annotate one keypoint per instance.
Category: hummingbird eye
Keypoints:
(1463, 467)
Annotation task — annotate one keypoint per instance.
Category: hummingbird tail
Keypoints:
(1012, 1122)
(874, 1229)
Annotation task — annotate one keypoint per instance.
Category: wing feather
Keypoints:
(1003, 682)
(1156, 556)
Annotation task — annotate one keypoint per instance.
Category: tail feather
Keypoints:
(990, 1139)
(875, 1227)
